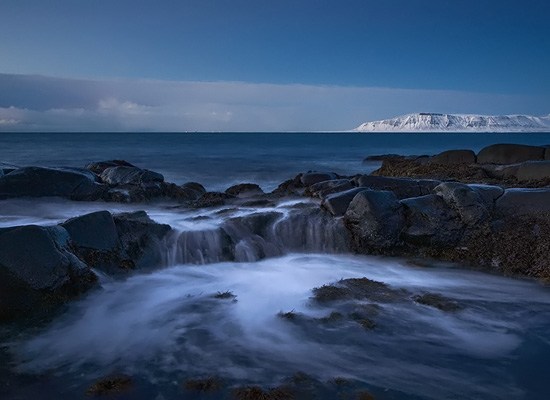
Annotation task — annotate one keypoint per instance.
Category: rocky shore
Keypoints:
(489, 210)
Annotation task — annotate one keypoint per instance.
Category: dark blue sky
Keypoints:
(491, 47)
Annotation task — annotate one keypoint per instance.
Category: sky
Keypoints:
(266, 65)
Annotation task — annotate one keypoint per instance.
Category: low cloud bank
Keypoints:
(31, 103)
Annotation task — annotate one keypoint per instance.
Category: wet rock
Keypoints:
(402, 187)
(451, 157)
(96, 230)
(38, 270)
(520, 201)
(509, 154)
(338, 203)
(501, 172)
(141, 238)
(6, 168)
(252, 236)
(292, 186)
(311, 229)
(533, 171)
(465, 200)
(124, 175)
(323, 189)
(181, 193)
(257, 393)
(111, 385)
(437, 301)
(213, 199)
(71, 183)
(311, 178)
(227, 295)
(376, 219)
(197, 187)
(259, 223)
(245, 190)
(100, 166)
(431, 222)
(488, 194)
(357, 289)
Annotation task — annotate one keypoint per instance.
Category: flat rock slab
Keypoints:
(402, 187)
(520, 201)
(533, 171)
(451, 157)
(510, 154)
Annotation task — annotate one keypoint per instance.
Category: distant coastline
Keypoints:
(458, 123)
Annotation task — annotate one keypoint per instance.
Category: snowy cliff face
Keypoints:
(429, 122)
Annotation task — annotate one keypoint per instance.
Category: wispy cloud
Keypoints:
(37, 103)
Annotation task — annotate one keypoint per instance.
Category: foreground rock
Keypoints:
(375, 219)
(117, 244)
(38, 270)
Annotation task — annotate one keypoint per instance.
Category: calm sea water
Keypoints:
(219, 160)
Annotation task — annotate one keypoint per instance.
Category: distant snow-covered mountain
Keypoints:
(430, 122)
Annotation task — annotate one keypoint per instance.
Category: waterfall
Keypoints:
(258, 235)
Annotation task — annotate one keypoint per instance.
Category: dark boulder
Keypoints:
(338, 203)
(451, 157)
(311, 178)
(213, 199)
(488, 193)
(533, 171)
(181, 193)
(123, 175)
(245, 190)
(197, 187)
(438, 301)
(402, 187)
(375, 219)
(71, 183)
(509, 154)
(100, 166)
(96, 230)
(141, 238)
(323, 189)
(467, 202)
(521, 201)
(290, 187)
(38, 270)
(431, 222)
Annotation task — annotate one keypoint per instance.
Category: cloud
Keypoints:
(37, 103)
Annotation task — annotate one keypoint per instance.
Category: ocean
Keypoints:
(219, 160)
(164, 327)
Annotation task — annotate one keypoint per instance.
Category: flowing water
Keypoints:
(250, 317)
